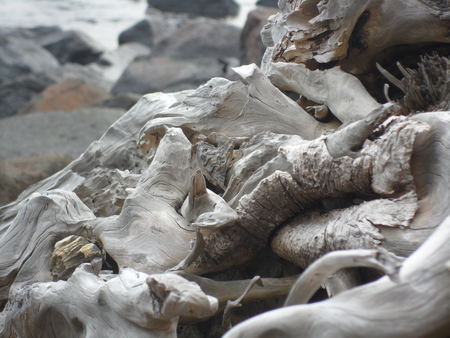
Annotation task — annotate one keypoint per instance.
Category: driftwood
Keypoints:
(193, 186)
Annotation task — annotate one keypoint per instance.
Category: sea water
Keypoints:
(103, 20)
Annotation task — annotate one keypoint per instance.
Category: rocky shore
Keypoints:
(59, 91)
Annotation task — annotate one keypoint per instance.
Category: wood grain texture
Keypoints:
(190, 195)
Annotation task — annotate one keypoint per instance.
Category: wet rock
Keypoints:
(18, 173)
(40, 33)
(140, 32)
(211, 8)
(147, 75)
(67, 95)
(201, 37)
(251, 44)
(19, 56)
(72, 46)
(164, 24)
(36, 33)
(16, 93)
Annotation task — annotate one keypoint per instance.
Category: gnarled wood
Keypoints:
(201, 181)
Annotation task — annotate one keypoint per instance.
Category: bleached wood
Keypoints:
(355, 33)
(245, 168)
(416, 305)
(131, 304)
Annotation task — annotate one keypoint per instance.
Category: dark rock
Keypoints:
(15, 94)
(35, 33)
(147, 75)
(164, 24)
(18, 173)
(67, 95)
(201, 37)
(72, 46)
(267, 3)
(19, 56)
(251, 44)
(123, 101)
(211, 8)
(141, 32)
(40, 33)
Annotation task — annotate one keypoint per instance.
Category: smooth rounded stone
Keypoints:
(67, 95)
(251, 43)
(140, 32)
(20, 56)
(72, 46)
(16, 93)
(211, 8)
(164, 24)
(69, 253)
(39, 33)
(148, 75)
(267, 3)
(18, 173)
(113, 63)
(155, 27)
(35, 33)
(60, 132)
(201, 37)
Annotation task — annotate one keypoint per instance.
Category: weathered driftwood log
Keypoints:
(201, 181)
(356, 34)
(131, 304)
(272, 197)
(415, 304)
(313, 174)
(239, 109)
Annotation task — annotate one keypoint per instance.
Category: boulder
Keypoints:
(67, 95)
(164, 24)
(147, 75)
(16, 93)
(251, 43)
(201, 37)
(72, 46)
(140, 32)
(36, 33)
(21, 53)
(211, 8)
(18, 173)
(40, 33)
(19, 56)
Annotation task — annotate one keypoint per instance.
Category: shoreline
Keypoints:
(83, 16)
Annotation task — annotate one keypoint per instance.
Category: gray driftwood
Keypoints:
(352, 174)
